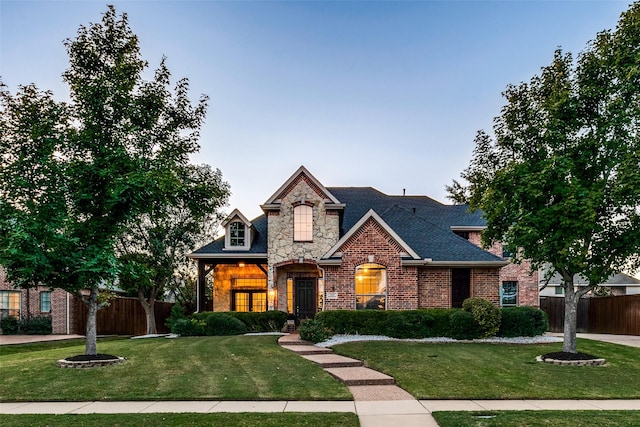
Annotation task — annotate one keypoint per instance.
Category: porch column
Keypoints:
(201, 293)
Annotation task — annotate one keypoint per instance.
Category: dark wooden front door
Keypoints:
(305, 297)
(460, 286)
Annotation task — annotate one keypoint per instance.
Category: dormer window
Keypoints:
(237, 234)
(303, 223)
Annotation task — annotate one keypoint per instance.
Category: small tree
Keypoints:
(98, 164)
(155, 245)
(561, 178)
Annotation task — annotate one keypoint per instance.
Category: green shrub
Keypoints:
(219, 324)
(523, 322)
(177, 313)
(39, 325)
(189, 327)
(266, 321)
(463, 326)
(486, 315)
(10, 325)
(314, 331)
(363, 322)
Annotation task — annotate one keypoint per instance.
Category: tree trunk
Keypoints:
(149, 310)
(570, 318)
(91, 337)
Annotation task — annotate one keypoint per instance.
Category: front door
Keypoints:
(305, 297)
(460, 286)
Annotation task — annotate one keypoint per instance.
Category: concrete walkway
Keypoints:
(628, 340)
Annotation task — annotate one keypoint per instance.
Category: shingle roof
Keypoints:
(423, 223)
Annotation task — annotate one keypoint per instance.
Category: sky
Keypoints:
(362, 93)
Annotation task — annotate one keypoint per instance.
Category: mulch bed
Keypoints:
(90, 357)
(563, 355)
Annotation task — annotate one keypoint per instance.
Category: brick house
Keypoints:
(39, 301)
(317, 248)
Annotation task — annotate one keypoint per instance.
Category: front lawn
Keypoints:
(538, 418)
(499, 371)
(190, 420)
(193, 368)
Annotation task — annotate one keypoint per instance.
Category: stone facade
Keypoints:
(326, 227)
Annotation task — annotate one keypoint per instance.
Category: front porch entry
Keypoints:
(304, 293)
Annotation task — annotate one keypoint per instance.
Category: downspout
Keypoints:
(68, 316)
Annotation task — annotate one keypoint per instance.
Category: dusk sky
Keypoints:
(381, 94)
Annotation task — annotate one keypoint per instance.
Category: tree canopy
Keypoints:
(559, 179)
(73, 177)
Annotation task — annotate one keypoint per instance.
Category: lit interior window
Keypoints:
(371, 287)
(303, 223)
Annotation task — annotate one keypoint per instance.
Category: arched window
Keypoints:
(371, 287)
(303, 223)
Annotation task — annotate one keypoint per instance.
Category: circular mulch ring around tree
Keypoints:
(83, 361)
(564, 358)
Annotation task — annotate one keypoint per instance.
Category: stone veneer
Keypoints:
(281, 247)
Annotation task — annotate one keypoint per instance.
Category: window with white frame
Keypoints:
(45, 302)
(509, 294)
(371, 287)
(303, 223)
(237, 234)
(9, 303)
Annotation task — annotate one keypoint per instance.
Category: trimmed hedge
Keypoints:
(523, 322)
(266, 321)
(480, 319)
(39, 325)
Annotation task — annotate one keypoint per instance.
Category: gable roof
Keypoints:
(216, 248)
(372, 215)
(304, 174)
(420, 224)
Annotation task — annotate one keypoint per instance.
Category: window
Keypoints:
(508, 294)
(249, 294)
(463, 234)
(371, 287)
(303, 223)
(237, 234)
(507, 253)
(559, 290)
(45, 302)
(249, 301)
(9, 303)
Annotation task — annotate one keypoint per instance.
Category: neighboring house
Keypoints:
(618, 284)
(39, 301)
(318, 248)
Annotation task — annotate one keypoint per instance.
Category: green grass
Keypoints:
(498, 371)
(198, 368)
(217, 419)
(538, 418)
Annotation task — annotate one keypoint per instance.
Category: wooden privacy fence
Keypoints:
(603, 315)
(125, 316)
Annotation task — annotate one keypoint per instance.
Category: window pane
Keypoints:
(259, 301)
(10, 303)
(303, 223)
(45, 302)
(241, 301)
(509, 293)
(371, 286)
(237, 232)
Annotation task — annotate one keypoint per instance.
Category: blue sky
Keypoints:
(381, 94)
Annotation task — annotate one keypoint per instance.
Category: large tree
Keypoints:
(84, 171)
(155, 246)
(560, 177)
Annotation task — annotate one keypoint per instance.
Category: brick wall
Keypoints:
(434, 288)
(528, 280)
(371, 243)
